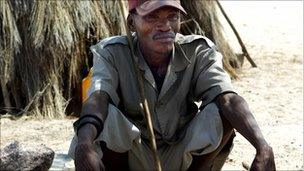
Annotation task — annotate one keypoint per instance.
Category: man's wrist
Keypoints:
(89, 119)
(262, 146)
(87, 134)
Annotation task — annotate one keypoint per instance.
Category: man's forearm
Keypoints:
(97, 104)
(235, 109)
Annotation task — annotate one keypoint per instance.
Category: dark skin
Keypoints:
(85, 156)
(156, 33)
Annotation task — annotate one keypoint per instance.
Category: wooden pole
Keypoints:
(245, 52)
(144, 102)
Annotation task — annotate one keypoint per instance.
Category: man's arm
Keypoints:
(235, 109)
(85, 156)
(97, 104)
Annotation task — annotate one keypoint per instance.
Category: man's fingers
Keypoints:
(87, 159)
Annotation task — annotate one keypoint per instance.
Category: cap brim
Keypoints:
(149, 6)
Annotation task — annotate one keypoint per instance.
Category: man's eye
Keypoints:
(173, 17)
(151, 18)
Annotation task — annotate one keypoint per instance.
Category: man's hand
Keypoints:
(264, 160)
(85, 156)
(87, 159)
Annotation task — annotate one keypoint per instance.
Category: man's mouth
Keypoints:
(164, 37)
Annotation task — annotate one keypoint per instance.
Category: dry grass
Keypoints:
(44, 77)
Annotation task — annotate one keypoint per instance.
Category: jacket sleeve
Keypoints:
(211, 79)
(105, 76)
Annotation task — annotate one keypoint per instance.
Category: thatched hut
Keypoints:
(44, 49)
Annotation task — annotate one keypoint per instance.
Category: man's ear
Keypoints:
(131, 24)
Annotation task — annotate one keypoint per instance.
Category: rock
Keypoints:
(62, 162)
(18, 156)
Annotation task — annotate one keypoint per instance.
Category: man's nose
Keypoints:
(164, 25)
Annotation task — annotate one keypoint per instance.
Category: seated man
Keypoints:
(177, 71)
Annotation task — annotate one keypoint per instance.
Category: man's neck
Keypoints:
(154, 59)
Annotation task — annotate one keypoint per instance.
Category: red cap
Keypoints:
(144, 7)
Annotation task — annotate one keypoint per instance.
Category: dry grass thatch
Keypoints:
(41, 70)
(204, 19)
(44, 49)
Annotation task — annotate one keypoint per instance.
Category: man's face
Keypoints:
(156, 31)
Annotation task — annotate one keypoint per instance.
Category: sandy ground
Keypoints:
(273, 34)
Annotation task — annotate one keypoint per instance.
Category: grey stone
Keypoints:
(18, 156)
(62, 162)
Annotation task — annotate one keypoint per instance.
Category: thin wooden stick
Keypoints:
(144, 102)
(245, 52)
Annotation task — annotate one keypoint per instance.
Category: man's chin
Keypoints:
(164, 47)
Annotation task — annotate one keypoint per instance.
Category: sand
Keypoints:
(273, 33)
